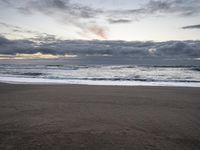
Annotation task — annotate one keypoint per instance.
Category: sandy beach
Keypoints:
(78, 117)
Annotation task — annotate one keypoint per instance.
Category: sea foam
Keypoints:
(20, 80)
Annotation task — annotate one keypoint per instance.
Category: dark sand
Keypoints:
(73, 117)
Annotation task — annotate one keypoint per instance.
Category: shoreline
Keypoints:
(93, 85)
(42, 81)
(98, 117)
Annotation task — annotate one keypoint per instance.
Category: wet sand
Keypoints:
(78, 117)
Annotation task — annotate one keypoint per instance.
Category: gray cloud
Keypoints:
(192, 27)
(51, 45)
(19, 32)
(9, 26)
(73, 14)
(80, 16)
(83, 17)
(5, 2)
(179, 7)
(159, 7)
(117, 21)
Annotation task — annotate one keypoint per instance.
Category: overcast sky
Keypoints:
(129, 20)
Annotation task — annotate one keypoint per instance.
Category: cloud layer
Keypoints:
(184, 49)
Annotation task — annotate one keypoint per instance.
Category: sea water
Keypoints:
(103, 71)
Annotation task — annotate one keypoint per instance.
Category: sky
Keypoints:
(129, 20)
(67, 28)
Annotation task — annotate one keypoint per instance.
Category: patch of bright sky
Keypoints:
(155, 28)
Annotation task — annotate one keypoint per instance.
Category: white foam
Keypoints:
(20, 80)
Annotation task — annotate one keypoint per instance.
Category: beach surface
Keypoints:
(80, 117)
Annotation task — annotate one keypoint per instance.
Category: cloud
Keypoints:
(57, 47)
(87, 19)
(19, 32)
(179, 7)
(97, 30)
(179, 48)
(159, 7)
(71, 14)
(152, 7)
(68, 13)
(9, 26)
(5, 2)
(4, 41)
(192, 27)
(117, 21)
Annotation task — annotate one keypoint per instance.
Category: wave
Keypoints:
(100, 74)
(128, 79)
(196, 68)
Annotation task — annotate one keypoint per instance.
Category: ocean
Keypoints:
(103, 70)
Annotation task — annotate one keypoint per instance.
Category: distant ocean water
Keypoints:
(93, 72)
